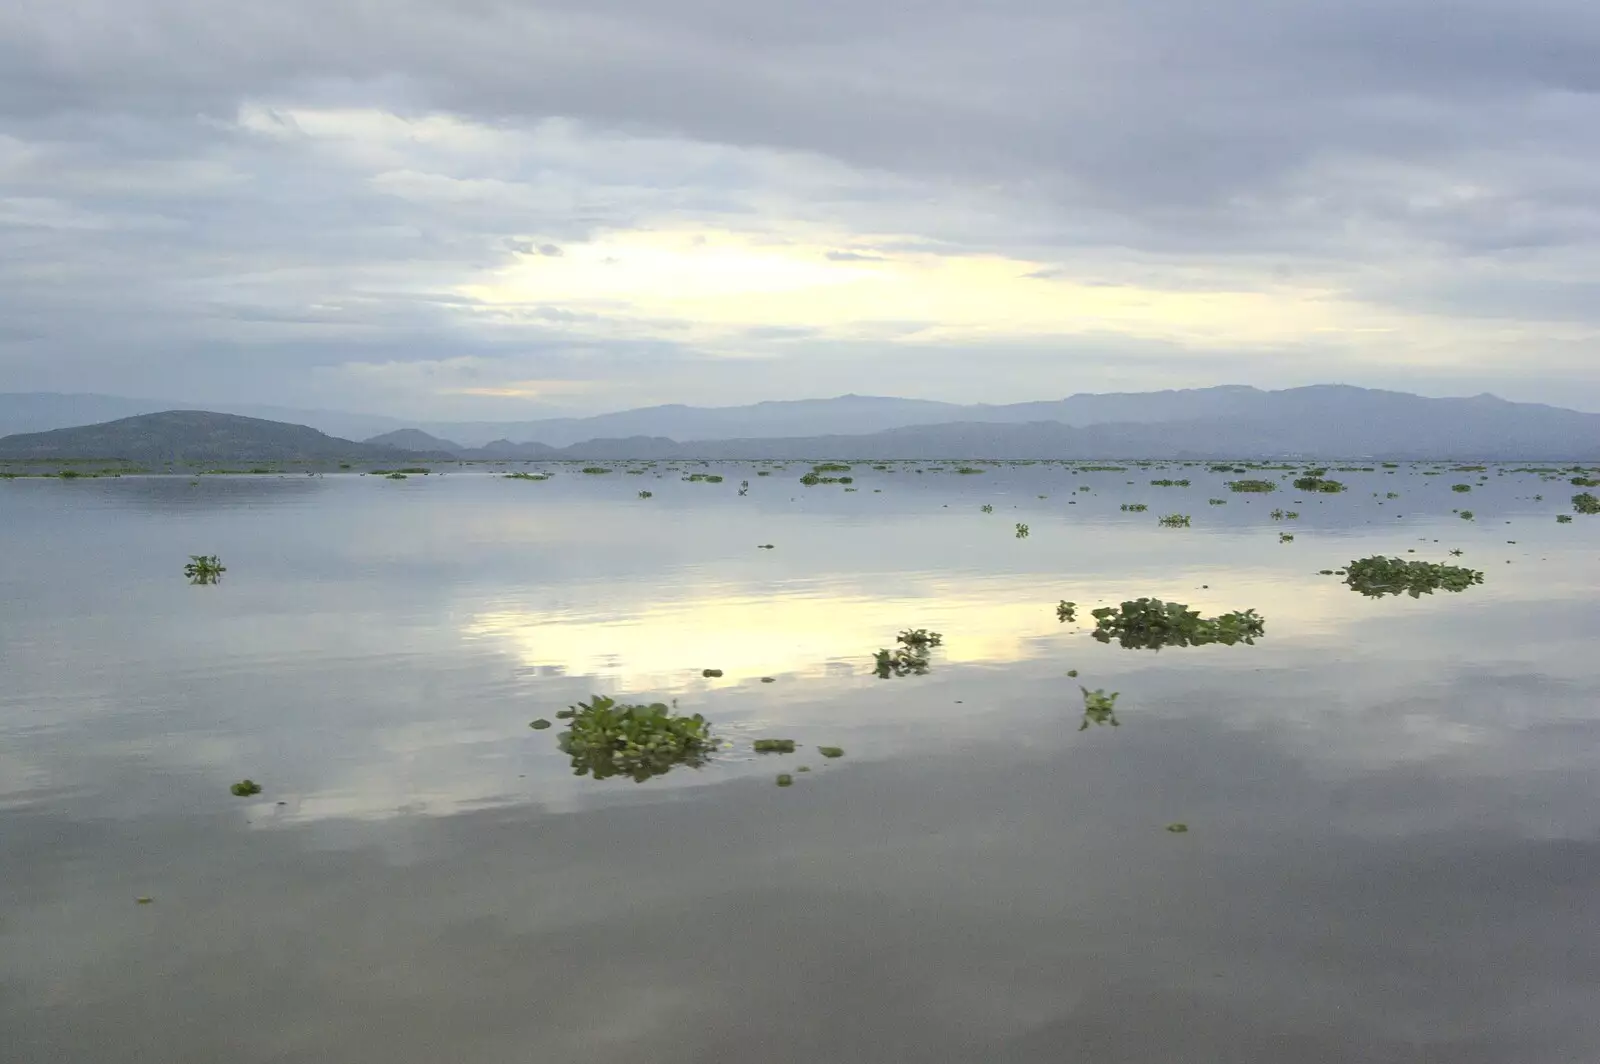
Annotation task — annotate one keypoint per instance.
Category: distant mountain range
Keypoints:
(196, 436)
(1224, 422)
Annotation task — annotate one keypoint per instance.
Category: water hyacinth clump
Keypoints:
(1260, 487)
(1377, 576)
(527, 476)
(1022, 530)
(1175, 521)
(204, 569)
(1317, 483)
(1099, 708)
(1585, 503)
(910, 658)
(245, 788)
(1066, 611)
(1135, 507)
(1150, 624)
(774, 746)
(605, 739)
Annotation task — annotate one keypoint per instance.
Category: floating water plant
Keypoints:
(1285, 537)
(1463, 488)
(711, 673)
(1099, 708)
(395, 476)
(1178, 829)
(245, 788)
(1150, 624)
(595, 470)
(1066, 611)
(204, 569)
(1022, 530)
(1175, 521)
(1563, 519)
(968, 470)
(785, 780)
(1377, 576)
(1169, 483)
(774, 746)
(605, 739)
(1317, 483)
(910, 658)
(1135, 507)
(539, 725)
(831, 751)
(1465, 515)
(646, 495)
(1260, 487)
(1217, 502)
(527, 476)
(702, 478)
(1585, 503)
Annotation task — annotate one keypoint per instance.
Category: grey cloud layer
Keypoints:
(1437, 157)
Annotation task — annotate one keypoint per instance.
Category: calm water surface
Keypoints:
(1394, 844)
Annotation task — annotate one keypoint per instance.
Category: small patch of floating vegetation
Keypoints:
(395, 476)
(594, 470)
(1135, 507)
(1169, 483)
(1022, 530)
(1099, 707)
(1462, 488)
(987, 508)
(1585, 482)
(910, 658)
(703, 478)
(646, 494)
(606, 739)
(1377, 576)
(831, 751)
(1066, 611)
(527, 476)
(1585, 503)
(774, 746)
(1174, 521)
(968, 470)
(1563, 519)
(204, 569)
(1285, 537)
(245, 788)
(1319, 484)
(1150, 624)
(1257, 487)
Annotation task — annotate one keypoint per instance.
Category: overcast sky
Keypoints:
(457, 208)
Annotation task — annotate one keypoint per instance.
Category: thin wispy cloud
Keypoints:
(434, 208)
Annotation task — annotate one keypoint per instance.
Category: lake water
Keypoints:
(1393, 850)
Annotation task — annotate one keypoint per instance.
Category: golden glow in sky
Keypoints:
(717, 283)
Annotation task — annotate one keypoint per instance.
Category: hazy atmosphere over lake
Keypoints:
(495, 209)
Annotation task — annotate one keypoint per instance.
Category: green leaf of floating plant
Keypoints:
(245, 788)
(831, 751)
(785, 780)
(1178, 829)
(774, 746)
(539, 725)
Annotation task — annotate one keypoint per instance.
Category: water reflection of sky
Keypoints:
(1387, 797)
